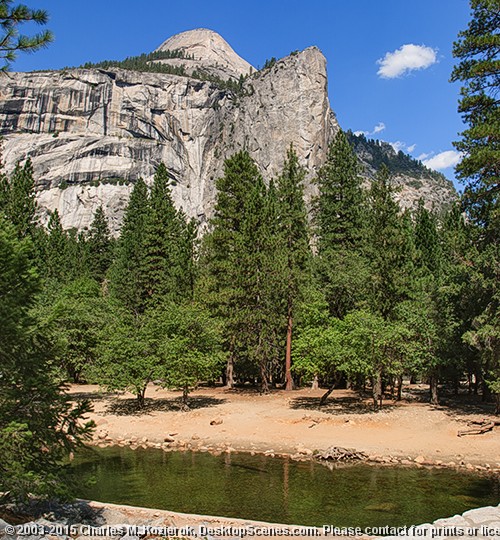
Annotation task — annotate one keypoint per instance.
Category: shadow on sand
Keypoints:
(130, 406)
(339, 405)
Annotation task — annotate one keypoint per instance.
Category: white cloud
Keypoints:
(377, 129)
(398, 145)
(443, 160)
(424, 156)
(405, 59)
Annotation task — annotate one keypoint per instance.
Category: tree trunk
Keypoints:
(433, 383)
(377, 389)
(288, 355)
(141, 397)
(230, 372)
(399, 387)
(185, 395)
(497, 404)
(315, 383)
(324, 397)
(264, 384)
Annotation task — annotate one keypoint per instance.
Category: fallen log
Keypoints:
(336, 453)
(482, 427)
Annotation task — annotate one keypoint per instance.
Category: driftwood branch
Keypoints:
(481, 427)
(335, 453)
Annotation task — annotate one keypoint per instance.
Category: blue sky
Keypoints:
(415, 108)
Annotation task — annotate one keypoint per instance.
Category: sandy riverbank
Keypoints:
(291, 422)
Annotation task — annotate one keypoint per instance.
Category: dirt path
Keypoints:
(284, 422)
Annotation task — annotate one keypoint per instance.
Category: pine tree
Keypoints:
(56, 248)
(427, 241)
(237, 257)
(164, 249)
(39, 425)
(99, 245)
(477, 51)
(339, 217)
(339, 209)
(10, 40)
(424, 311)
(127, 280)
(293, 229)
(387, 248)
(18, 195)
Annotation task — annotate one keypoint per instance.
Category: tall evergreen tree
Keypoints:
(127, 279)
(388, 251)
(164, 249)
(100, 245)
(293, 229)
(38, 423)
(237, 257)
(427, 240)
(478, 70)
(478, 55)
(339, 217)
(388, 247)
(18, 198)
(339, 212)
(56, 248)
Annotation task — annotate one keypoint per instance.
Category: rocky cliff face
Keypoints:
(92, 133)
(413, 181)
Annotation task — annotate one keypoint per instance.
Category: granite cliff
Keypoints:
(92, 132)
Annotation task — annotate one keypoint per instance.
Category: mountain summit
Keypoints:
(92, 132)
(208, 50)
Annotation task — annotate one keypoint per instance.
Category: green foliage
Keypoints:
(168, 249)
(388, 248)
(340, 213)
(99, 245)
(382, 153)
(478, 70)
(427, 243)
(38, 424)
(339, 207)
(61, 255)
(74, 321)
(362, 345)
(127, 280)
(240, 256)
(269, 63)
(11, 41)
(189, 346)
(293, 236)
(178, 346)
(17, 198)
(146, 62)
(112, 181)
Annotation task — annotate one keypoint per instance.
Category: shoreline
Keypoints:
(291, 425)
(418, 462)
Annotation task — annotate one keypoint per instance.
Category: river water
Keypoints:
(279, 490)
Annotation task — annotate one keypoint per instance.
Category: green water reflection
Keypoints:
(279, 490)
